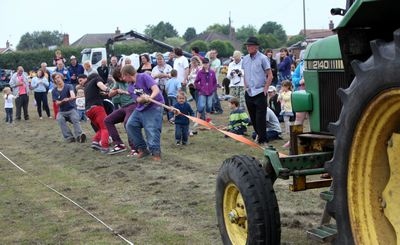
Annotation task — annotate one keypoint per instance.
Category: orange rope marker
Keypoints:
(237, 137)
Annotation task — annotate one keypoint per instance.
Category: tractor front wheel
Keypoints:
(246, 205)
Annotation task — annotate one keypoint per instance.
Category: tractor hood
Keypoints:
(327, 48)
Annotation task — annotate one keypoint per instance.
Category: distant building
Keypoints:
(211, 36)
(7, 49)
(312, 35)
(99, 39)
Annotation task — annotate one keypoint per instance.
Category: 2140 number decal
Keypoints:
(324, 65)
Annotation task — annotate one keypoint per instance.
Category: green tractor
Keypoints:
(353, 99)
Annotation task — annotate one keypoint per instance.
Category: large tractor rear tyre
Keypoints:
(366, 162)
(246, 205)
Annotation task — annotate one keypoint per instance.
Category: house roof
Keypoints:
(93, 39)
(313, 34)
(5, 50)
(211, 36)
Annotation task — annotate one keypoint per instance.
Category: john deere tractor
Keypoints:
(353, 99)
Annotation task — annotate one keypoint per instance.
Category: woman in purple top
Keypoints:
(205, 84)
(147, 115)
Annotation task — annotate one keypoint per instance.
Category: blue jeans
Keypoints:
(216, 104)
(181, 133)
(204, 102)
(171, 102)
(82, 115)
(9, 116)
(151, 121)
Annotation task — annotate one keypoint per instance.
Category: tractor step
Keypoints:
(324, 233)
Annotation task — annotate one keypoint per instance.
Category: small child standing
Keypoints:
(80, 104)
(182, 122)
(238, 118)
(8, 104)
(285, 97)
(172, 87)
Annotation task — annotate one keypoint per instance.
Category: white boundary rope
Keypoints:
(69, 199)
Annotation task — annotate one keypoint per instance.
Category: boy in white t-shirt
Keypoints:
(8, 104)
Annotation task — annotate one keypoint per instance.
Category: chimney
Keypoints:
(117, 32)
(65, 40)
(7, 44)
(331, 25)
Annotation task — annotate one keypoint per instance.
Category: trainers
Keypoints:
(70, 140)
(133, 153)
(95, 146)
(209, 121)
(256, 138)
(81, 138)
(117, 149)
(105, 150)
(191, 133)
(178, 143)
(142, 153)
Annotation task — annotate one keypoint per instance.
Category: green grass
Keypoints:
(171, 202)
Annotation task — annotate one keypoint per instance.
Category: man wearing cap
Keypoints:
(257, 79)
(75, 69)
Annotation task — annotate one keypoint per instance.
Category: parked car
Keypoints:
(3, 84)
(5, 76)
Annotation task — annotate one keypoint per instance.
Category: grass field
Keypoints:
(170, 202)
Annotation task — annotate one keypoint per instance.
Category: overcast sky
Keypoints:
(86, 16)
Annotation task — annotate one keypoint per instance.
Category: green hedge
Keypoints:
(31, 60)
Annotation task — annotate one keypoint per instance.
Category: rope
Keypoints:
(69, 199)
(237, 137)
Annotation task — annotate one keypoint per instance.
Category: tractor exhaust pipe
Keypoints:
(338, 11)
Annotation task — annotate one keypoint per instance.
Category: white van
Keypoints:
(135, 58)
(95, 55)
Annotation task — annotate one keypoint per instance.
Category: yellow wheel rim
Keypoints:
(235, 216)
(373, 181)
